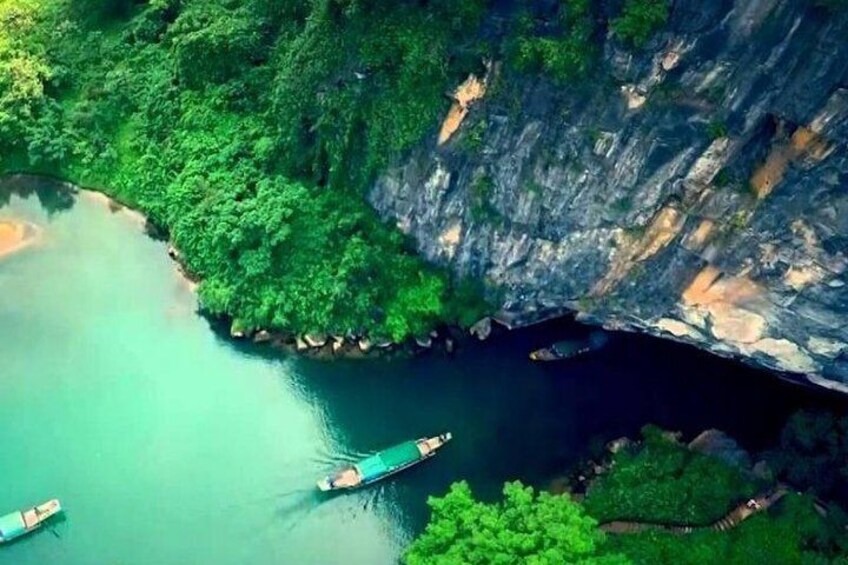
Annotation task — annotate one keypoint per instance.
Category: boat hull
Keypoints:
(339, 481)
(569, 349)
(21, 523)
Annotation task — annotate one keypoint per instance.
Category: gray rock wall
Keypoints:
(697, 189)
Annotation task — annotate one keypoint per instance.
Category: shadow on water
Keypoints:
(515, 419)
(53, 195)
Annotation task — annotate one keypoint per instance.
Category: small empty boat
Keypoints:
(385, 463)
(570, 348)
(20, 523)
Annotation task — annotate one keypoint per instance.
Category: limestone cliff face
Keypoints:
(696, 189)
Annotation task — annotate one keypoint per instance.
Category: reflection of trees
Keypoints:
(53, 195)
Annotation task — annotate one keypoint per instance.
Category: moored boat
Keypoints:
(22, 522)
(570, 348)
(384, 463)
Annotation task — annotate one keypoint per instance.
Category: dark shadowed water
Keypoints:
(168, 444)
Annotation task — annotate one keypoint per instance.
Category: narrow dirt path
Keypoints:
(730, 520)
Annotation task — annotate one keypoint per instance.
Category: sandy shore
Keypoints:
(15, 235)
(113, 206)
(140, 220)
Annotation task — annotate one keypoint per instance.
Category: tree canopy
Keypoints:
(524, 529)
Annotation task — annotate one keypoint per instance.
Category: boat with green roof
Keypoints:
(22, 522)
(384, 463)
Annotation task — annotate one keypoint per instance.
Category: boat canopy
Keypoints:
(401, 454)
(372, 467)
(388, 460)
(12, 525)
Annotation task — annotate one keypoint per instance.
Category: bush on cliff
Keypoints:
(565, 54)
(640, 20)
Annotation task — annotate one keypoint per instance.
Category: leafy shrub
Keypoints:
(717, 129)
(639, 20)
(567, 54)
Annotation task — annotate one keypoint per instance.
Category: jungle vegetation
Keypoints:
(248, 131)
(656, 481)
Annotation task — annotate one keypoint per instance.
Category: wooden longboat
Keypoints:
(20, 523)
(570, 348)
(384, 463)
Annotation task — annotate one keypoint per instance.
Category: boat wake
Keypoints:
(335, 460)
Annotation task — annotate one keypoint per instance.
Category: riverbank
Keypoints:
(313, 345)
(16, 235)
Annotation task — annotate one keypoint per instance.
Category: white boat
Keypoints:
(22, 522)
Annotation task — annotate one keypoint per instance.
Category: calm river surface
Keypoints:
(168, 444)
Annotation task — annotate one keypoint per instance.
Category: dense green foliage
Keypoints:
(791, 533)
(657, 481)
(813, 453)
(564, 54)
(661, 481)
(247, 129)
(23, 70)
(639, 20)
(560, 39)
(523, 529)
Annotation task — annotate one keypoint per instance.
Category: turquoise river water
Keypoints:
(169, 444)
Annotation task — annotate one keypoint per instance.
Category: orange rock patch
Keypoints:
(663, 229)
(697, 238)
(471, 90)
(709, 286)
(724, 298)
(803, 143)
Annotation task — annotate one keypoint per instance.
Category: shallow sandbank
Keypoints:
(16, 235)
